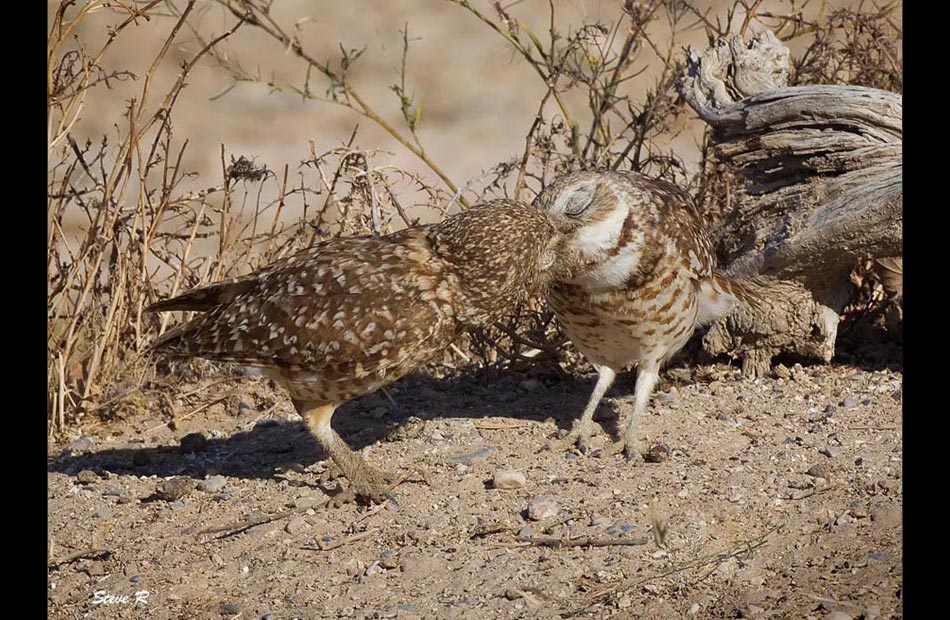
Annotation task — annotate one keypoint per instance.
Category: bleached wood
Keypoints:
(823, 189)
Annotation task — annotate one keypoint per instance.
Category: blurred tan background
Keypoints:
(478, 97)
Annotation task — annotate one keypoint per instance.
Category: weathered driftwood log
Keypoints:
(822, 190)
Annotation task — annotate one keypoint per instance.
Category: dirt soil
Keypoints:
(778, 498)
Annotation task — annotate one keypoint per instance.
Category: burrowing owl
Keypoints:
(350, 315)
(642, 278)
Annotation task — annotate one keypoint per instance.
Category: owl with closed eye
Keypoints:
(642, 277)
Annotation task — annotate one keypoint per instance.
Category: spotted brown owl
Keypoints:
(641, 278)
(350, 315)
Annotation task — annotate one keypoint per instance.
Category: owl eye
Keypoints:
(574, 202)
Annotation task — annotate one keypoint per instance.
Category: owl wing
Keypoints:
(342, 309)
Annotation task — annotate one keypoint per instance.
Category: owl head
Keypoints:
(601, 231)
(578, 200)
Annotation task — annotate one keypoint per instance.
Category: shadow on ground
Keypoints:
(271, 446)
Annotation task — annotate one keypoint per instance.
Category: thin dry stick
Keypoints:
(72, 557)
(336, 544)
(259, 17)
(583, 541)
(370, 187)
(237, 527)
(187, 415)
(61, 401)
(745, 547)
(528, 143)
(497, 426)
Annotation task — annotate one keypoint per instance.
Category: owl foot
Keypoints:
(367, 486)
(579, 437)
(629, 446)
(333, 472)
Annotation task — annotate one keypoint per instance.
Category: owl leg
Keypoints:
(629, 443)
(366, 482)
(581, 431)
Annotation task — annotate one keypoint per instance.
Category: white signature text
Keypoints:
(101, 597)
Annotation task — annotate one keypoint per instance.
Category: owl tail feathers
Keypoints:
(172, 344)
(720, 295)
(203, 298)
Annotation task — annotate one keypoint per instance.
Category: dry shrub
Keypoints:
(125, 229)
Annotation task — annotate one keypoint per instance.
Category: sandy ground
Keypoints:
(779, 498)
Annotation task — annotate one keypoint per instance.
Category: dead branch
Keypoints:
(822, 167)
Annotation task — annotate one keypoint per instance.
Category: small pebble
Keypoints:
(781, 372)
(671, 399)
(599, 520)
(113, 490)
(849, 403)
(859, 509)
(829, 451)
(229, 609)
(817, 470)
(214, 484)
(388, 559)
(87, 476)
(657, 453)
(693, 609)
(541, 508)
(509, 479)
(296, 526)
(352, 567)
(526, 532)
(475, 456)
(193, 442)
(82, 444)
(174, 489)
(306, 502)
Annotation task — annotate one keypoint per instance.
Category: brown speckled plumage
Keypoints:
(350, 315)
(642, 278)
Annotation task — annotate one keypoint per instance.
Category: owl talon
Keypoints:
(333, 472)
(367, 486)
(628, 447)
(578, 437)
